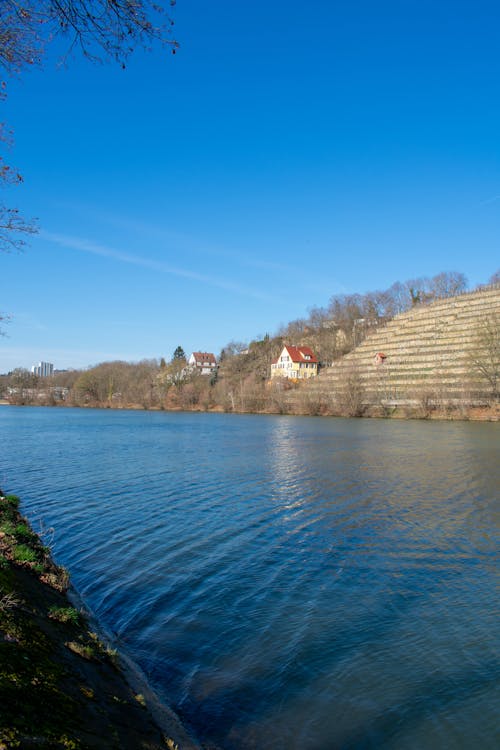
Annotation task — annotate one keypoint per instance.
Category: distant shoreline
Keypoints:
(466, 414)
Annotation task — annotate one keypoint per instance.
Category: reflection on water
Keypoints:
(284, 582)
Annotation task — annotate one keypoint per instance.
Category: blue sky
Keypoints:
(288, 152)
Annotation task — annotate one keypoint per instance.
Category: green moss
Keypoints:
(12, 501)
(23, 533)
(23, 553)
(8, 527)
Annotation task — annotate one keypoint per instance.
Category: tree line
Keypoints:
(337, 328)
(241, 381)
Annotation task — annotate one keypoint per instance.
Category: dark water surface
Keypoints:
(284, 582)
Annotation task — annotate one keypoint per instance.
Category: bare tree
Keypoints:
(13, 227)
(350, 392)
(99, 29)
(399, 296)
(277, 396)
(447, 284)
(24, 385)
(232, 349)
(3, 319)
(485, 356)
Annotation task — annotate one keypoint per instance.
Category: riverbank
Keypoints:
(409, 411)
(61, 685)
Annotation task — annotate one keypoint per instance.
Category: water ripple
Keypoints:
(284, 582)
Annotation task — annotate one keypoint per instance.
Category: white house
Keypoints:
(202, 362)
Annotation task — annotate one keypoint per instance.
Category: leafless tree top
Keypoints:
(99, 29)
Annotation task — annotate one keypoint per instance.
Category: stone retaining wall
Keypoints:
(428, 350)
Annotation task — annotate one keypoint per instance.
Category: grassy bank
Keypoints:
(60, 685)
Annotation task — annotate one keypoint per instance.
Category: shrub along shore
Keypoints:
(61, 685)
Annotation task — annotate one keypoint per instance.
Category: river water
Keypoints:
(283, 582)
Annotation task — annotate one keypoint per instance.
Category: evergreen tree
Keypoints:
(178, 354)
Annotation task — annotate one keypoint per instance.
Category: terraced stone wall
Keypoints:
(425, 353)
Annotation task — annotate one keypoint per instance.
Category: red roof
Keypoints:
(205, 357)
(300, 354)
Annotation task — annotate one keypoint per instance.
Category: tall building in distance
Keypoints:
(43, 369)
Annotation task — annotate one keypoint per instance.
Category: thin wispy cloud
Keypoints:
(188, 242)
(491, 200)
(88, 246)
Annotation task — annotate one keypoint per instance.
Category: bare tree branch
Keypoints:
(101, 29)
(485, 357)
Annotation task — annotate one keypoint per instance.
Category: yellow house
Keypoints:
(296, 362)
